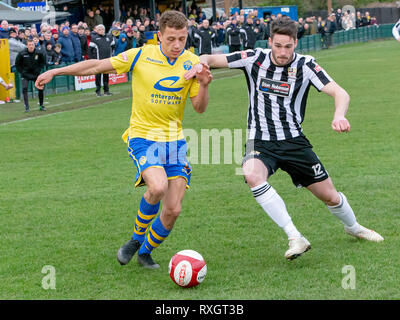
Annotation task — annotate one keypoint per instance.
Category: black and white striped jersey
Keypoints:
(396, 30)
(277, 95)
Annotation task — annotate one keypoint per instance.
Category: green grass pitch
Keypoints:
(67, 197)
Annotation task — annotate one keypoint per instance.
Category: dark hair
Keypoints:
(284, 25)
(173, 19)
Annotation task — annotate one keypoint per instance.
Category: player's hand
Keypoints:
(201, 71)
(204, 77)
(340, 124)
(43, 79)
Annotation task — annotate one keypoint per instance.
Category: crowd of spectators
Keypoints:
(70, 42)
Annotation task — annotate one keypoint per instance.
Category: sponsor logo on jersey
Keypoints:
(166, 84)
(124, 56)
(154, 61)
(243, 54)
(275, 87)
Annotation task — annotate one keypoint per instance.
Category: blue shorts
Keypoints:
(171, 156)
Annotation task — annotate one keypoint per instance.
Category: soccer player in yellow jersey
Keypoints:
(155, 139)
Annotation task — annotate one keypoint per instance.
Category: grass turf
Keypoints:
(67, 198)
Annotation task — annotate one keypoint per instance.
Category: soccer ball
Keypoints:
(187, 268)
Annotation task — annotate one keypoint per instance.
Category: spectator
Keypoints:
(98, 19)
(76, 43)
(142, 36)
(4, 31)
(29, 64)
(233, 34)
(28, 33)
(101, 47)
(55, 36)
(48, 38)
(322, 29)
(130, 39)
(38, 46)
(249, 36)
(366, 19)
(84, 42)
(15, 46)
(205, 38)
(57, 50)
(358, 20)
(90, 20)
(67, 47)
(121, 44)
(374, 21)
(21, 36)
(330, 29)
(339, 17)
(51, 55)
(302, 28)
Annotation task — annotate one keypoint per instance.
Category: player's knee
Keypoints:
(331, 198)
(158, 190)
(253, 179)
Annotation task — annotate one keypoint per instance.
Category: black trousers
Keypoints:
(234, 48)
(25, 83)
(105, 82)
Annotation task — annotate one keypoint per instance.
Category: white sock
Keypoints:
(273, 205)
(344, 213)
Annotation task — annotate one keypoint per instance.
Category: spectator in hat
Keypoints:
(67, 47)
(15, 46)
(21, 36)
(130, 39)
(121, 44)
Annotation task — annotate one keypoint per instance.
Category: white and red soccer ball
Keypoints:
(187, 268)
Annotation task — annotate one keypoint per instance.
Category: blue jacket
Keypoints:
(4, 34)
(76, 42)
(121, 45)
(67, 48)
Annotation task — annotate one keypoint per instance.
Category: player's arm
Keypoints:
(214, 60)
(84, 68)
(200, 101)
(342, 100)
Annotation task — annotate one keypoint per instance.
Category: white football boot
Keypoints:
(297, 247)
(364, 233)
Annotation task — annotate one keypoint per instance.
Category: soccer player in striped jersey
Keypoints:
(155, 138)
(396, 31)
(278, 81)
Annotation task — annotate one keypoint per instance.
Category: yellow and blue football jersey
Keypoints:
(159, 91)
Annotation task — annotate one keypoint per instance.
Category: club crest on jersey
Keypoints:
(243, 54)
(292, 72)
(142, 160)
(187, 65)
